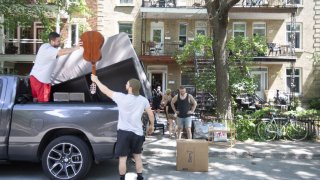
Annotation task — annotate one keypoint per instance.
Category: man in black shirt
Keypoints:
(186, 106)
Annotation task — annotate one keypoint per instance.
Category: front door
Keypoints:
(262, 81)
(157, 75)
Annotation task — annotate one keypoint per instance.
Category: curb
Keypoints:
(234, 154)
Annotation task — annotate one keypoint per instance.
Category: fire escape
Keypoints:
(293, 45)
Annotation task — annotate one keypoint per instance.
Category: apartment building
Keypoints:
(168, 24)
(158, 29)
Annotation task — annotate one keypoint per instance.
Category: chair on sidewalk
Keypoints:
(158, 126)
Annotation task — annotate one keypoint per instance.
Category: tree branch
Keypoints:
(231, 3)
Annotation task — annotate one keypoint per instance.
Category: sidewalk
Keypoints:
(162, 145)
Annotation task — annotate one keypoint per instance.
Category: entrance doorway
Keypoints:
(157, 76)
(156, 80)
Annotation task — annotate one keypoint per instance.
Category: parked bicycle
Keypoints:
(269, 129)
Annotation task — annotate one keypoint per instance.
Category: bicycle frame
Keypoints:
(280, 127)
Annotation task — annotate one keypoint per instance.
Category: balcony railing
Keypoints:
(22, 46)
(173, 48)
(160, 49)
(201, 3)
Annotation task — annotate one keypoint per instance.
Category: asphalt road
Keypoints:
(163, 168)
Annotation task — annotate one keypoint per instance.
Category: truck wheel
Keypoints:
(66, 157)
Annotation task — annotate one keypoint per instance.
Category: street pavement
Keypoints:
(162, 144)
(287, 160)
(282, 149)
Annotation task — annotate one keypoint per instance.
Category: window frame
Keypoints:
(301, 2)
(119, 3)
(239, 23)
(265, 28)
(181, 45)
(127, 23)
(75, 34)
(294, 76)
(300, 34)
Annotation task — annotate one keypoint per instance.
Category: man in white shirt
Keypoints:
(130, 135)
(43, 67)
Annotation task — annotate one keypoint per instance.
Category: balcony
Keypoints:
(263, 9)
(20, 50)
(22, 46)
(201, 3)
(195, 9)
(165, 52)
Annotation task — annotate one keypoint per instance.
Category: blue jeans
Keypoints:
(184, 122)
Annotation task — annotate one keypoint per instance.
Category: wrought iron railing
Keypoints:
(172, 48)
(201, 3)
(160, 49)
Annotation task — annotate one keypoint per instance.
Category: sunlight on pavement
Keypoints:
(306, 175)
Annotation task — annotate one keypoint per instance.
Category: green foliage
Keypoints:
(241, 52)
(245, 129)
(200, 48)
(311, 113)
(24, 13)
(202, 45)
(206, 81)
(315, 103)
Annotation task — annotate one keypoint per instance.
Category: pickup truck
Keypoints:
(66, 137)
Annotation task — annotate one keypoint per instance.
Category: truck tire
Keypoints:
(66, 157)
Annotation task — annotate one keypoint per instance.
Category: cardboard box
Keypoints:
(192, 155)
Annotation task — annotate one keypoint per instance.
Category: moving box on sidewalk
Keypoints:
(192, 155)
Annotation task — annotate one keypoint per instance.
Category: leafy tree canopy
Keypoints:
(25, 12)
(241, 52)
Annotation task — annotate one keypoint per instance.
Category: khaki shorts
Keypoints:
(171, 116)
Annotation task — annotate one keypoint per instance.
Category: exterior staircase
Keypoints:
(206, 101)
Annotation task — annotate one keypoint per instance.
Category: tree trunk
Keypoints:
(220, 24)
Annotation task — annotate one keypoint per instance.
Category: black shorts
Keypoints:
(156, 106)
(128, 143)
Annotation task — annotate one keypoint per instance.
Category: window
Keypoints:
(294, 2)
(126, 1)
(239, 29)
(182, 35)
(126, 28)
(259, 29)
(298, 34)
(74, 34)
(295, 81)
(201, 31)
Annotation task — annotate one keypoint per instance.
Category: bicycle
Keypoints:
(269, 129)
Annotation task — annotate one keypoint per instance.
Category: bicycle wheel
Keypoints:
(296, 130)
(266, 130)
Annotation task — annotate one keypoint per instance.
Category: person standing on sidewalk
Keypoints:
(186, 106)
(156, 100)
(130, 135)
(166, 101)
(43, 67)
